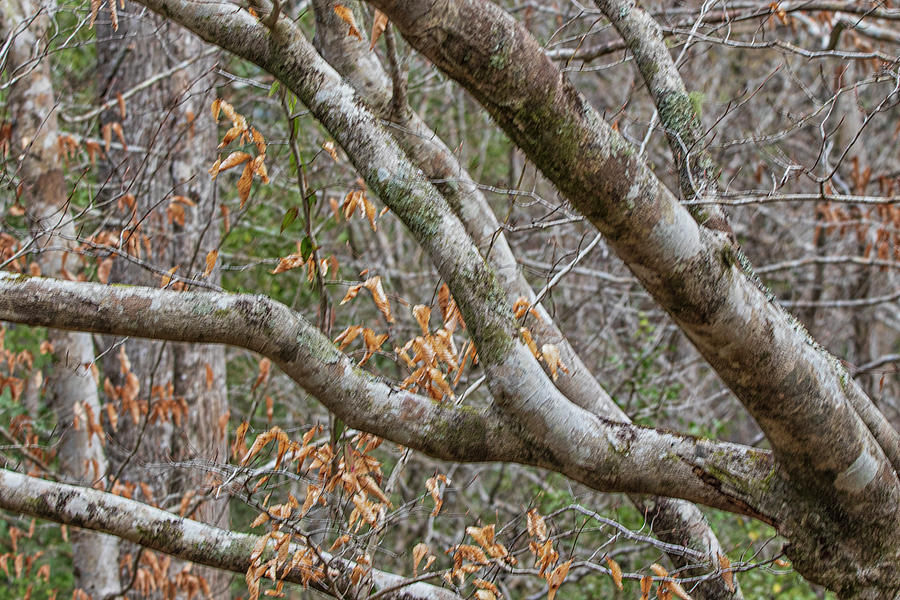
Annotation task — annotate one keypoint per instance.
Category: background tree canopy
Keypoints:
(449, 299)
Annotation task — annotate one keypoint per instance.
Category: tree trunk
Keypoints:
(71, 390)
(176, 140)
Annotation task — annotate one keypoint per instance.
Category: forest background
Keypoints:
(137, 154)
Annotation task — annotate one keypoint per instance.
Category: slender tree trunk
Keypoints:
(176, 139)
(71, 390)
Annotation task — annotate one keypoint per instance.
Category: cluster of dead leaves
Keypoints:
(545, 556)
(304, 257)
(354, 471)
(471, 558)
(289, 557)
(356, 200)
(18, 367)
(243, 133)
(379, 24)
(162, 407)
(370, 339)
(23, 563)
(131, 239)
(67, 147)
(421, 551)
(549, 353)
(126, 393)
(9, 248)
(357, 472)
(877, 228)
(113, 15)
(153, 577)
(435, 356)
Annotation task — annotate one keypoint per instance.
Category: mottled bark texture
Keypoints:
(171, 125)
(830, 487)
(71, 389)
(608, 456)
(566, 434)
(803, 399)
(672, 520)
(184, 538)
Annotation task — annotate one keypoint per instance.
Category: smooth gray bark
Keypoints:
(605, 455)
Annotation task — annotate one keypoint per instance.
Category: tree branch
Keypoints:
(604, 455)
(180, 537)
(798, 393)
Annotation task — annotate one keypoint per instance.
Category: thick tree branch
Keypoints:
(262, 325)
(674, 520)
(799, 394)
(567, 436)
(673, 105)
(180, 537)
(605, 455)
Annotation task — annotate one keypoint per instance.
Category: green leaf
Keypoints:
(289, 217)
(306, 248)
(274, 88)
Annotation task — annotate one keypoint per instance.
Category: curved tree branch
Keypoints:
(839, 452)
(798, 393)
(673, 520)
(553, 432)
(604, 455)
(180, 537)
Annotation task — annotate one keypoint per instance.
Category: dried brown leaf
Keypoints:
(433, 486)
(556, 578)
(265, 367)
(615, 571)
(234, 159)
(529, 341)
(646, 585)
(422, 314)
(346, 16)
(554, 362)
(167, 278)
(379, 24)
(211, 258)
(419, 552)
(330, 149)
(245, 183)
(95, 7)
(727, 574)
